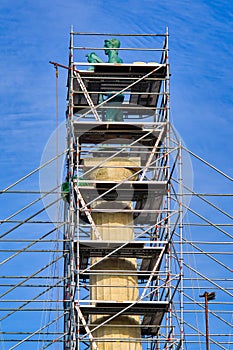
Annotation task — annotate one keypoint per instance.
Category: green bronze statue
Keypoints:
(114, 114)
(111, 46)
(93, 58)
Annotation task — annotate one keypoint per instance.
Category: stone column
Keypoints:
(115, 284)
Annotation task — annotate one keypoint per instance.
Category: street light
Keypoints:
(208, 296)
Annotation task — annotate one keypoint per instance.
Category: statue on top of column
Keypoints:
(111, 50)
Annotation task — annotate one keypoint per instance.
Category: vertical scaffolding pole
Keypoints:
(166, 98)
(70, 261)
(180, 180)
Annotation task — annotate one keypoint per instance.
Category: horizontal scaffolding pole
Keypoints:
(120, 48)
(120, 34)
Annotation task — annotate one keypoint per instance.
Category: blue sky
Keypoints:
(34, 32)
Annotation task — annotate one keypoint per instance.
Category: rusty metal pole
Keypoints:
(208, 296)
(206, 321)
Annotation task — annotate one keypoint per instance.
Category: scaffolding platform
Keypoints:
(130, 308)
(135, 68)
(142, 81)
(147, 196)
(135, 249)
(149, 255)
(151, 311)
(127, 190)
(99, 132)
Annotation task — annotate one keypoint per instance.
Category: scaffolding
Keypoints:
(119, 175)
(120, 273)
